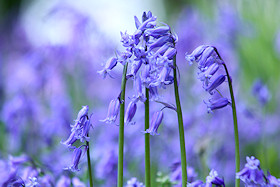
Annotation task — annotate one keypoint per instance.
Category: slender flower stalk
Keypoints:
(236, 136)
(181, 127)
(209, 61)
(147, 142)
(234, 115)
(89, 166)
(121, 128)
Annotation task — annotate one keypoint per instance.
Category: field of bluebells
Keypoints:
(188, 98)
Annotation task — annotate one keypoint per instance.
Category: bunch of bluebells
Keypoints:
(253, 175)
(79, 131)
(212, 179)
(149, 53)
(209, 63)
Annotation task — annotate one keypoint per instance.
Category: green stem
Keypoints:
(236, 136)
(121, 129)
(89, 165)
(147, 143)
(181, 127)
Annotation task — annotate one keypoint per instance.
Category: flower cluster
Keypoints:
(252, 174)
(149, 53)
(209, 62)
(79, 131)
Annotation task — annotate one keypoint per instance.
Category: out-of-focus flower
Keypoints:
(261, 92)
(213, 178)
(77, 183)
(63, 181)
(252, 173)
(33, 182)
(197, 183)
(109, 65)
(133, 182)
(176, 173)
(272, 181)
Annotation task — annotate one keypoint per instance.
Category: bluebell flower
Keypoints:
(127, 40)
(130, 112)
(138, 87)
(158, 31)
(153, 91)
(77, 155)
(80, 130)
(252, 173)
(71, 140)
(63, 181)
(215, 104)
(109, 65)
(33, 182)
(163, 78)
(145, 75)
(77, 182)
(261, 92)
(15, 181)
(82, 113)
(133, 182)
(156, 121)
(176, 173)
(160, 42)
(135, 66)
(213, 178)
(272, 181)
(217, 82)
(14, 162)
(113, 111)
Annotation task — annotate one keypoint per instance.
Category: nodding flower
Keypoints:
(113, 111)
(138, 87)
(130, 112)
(156, 121)
(215, 104)
(109, 65)
(163, 79)
(77, 154)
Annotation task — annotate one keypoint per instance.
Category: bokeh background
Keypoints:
(50, 52)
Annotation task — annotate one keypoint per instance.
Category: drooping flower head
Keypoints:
(209, 62)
